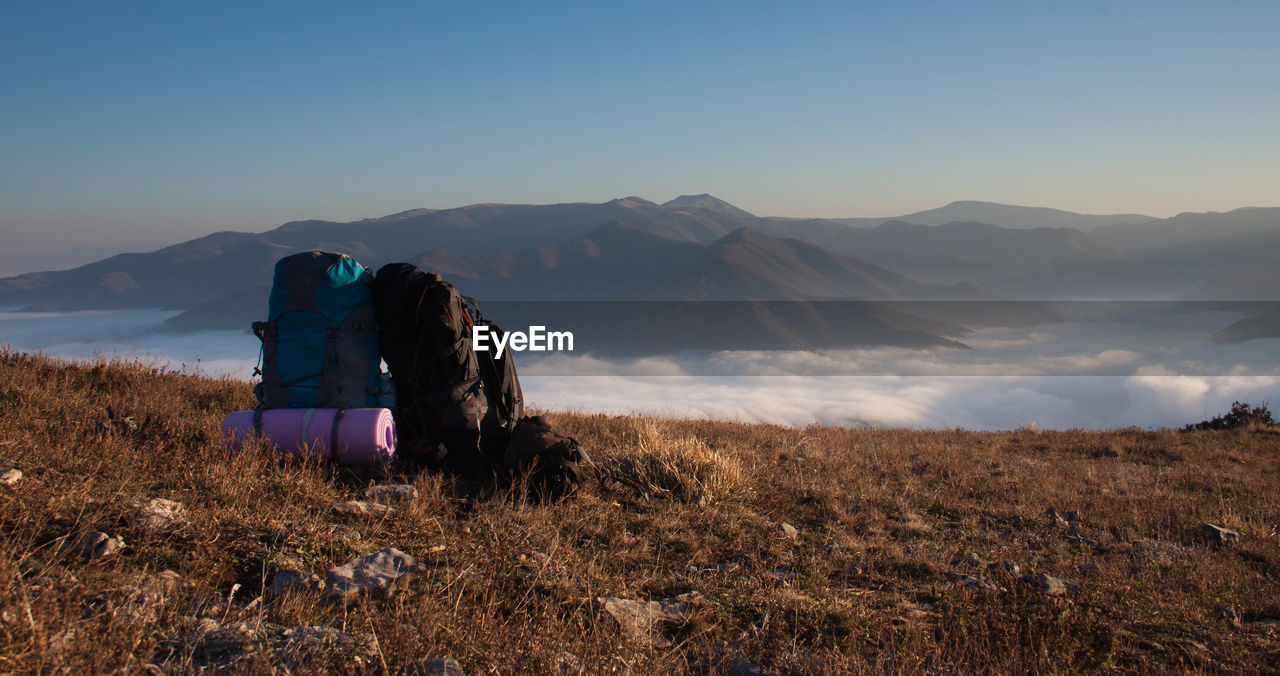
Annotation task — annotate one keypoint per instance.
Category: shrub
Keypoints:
(1240, 417)
(678, 466)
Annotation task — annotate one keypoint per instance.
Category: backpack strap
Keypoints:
(274, 393)
(257, 421)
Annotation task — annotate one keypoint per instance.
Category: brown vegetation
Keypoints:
(915, 551)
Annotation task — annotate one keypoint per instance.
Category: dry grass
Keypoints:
(887, 519)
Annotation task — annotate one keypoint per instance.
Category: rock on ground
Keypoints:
(1218, 535)
(1045, 584)
(636, 619)
(95, 545)
(10, 476)
(789, 530)
(442, 666)
(383, 571)
(238, 645)
(972, 583)
(391, 493)
(361, 508)
(158, 513)
(294, 581)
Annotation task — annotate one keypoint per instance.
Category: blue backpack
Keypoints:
(320, 340)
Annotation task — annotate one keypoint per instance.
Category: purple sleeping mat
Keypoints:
(362, 436)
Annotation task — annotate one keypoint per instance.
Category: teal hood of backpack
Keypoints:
(344, 287)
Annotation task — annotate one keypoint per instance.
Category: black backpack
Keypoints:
(453, 405)
(554, 463)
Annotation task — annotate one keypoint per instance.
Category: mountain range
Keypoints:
(697, 248)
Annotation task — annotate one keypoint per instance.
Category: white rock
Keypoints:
(95, 545)
(1218, 535)
(1045, 584)
(382, 571)
(391, 493)
(158, 513)
(361, 508)
(636, 619)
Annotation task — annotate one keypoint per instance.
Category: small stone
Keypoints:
(1045, 584)
(442, 666)
(294, 582)
(383, 571)
(158, 513)
(361, 508)
(1218, 535)
(636, 619)
(974, 560)
(10, 476)
(95, 545)
(789, 530)
(971, 583)
(391, 493)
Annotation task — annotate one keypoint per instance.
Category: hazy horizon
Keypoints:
(1058, 378)
(170, 122)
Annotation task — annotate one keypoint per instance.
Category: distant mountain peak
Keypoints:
(708, 203)
(1017, 217)
(975, 203)
(632, 202)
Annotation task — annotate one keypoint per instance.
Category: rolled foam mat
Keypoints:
(365, 436)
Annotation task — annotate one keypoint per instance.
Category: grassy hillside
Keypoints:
(912, 551)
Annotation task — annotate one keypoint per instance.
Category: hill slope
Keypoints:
(902, 551)
(750, 265)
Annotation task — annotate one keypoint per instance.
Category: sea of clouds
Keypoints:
(1163, 373)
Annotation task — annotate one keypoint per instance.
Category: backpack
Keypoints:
(555, 463)
(319, 343)
(453, 405)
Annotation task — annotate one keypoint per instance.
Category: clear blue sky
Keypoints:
(125, 121)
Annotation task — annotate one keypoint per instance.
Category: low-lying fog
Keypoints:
(1106, 374)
